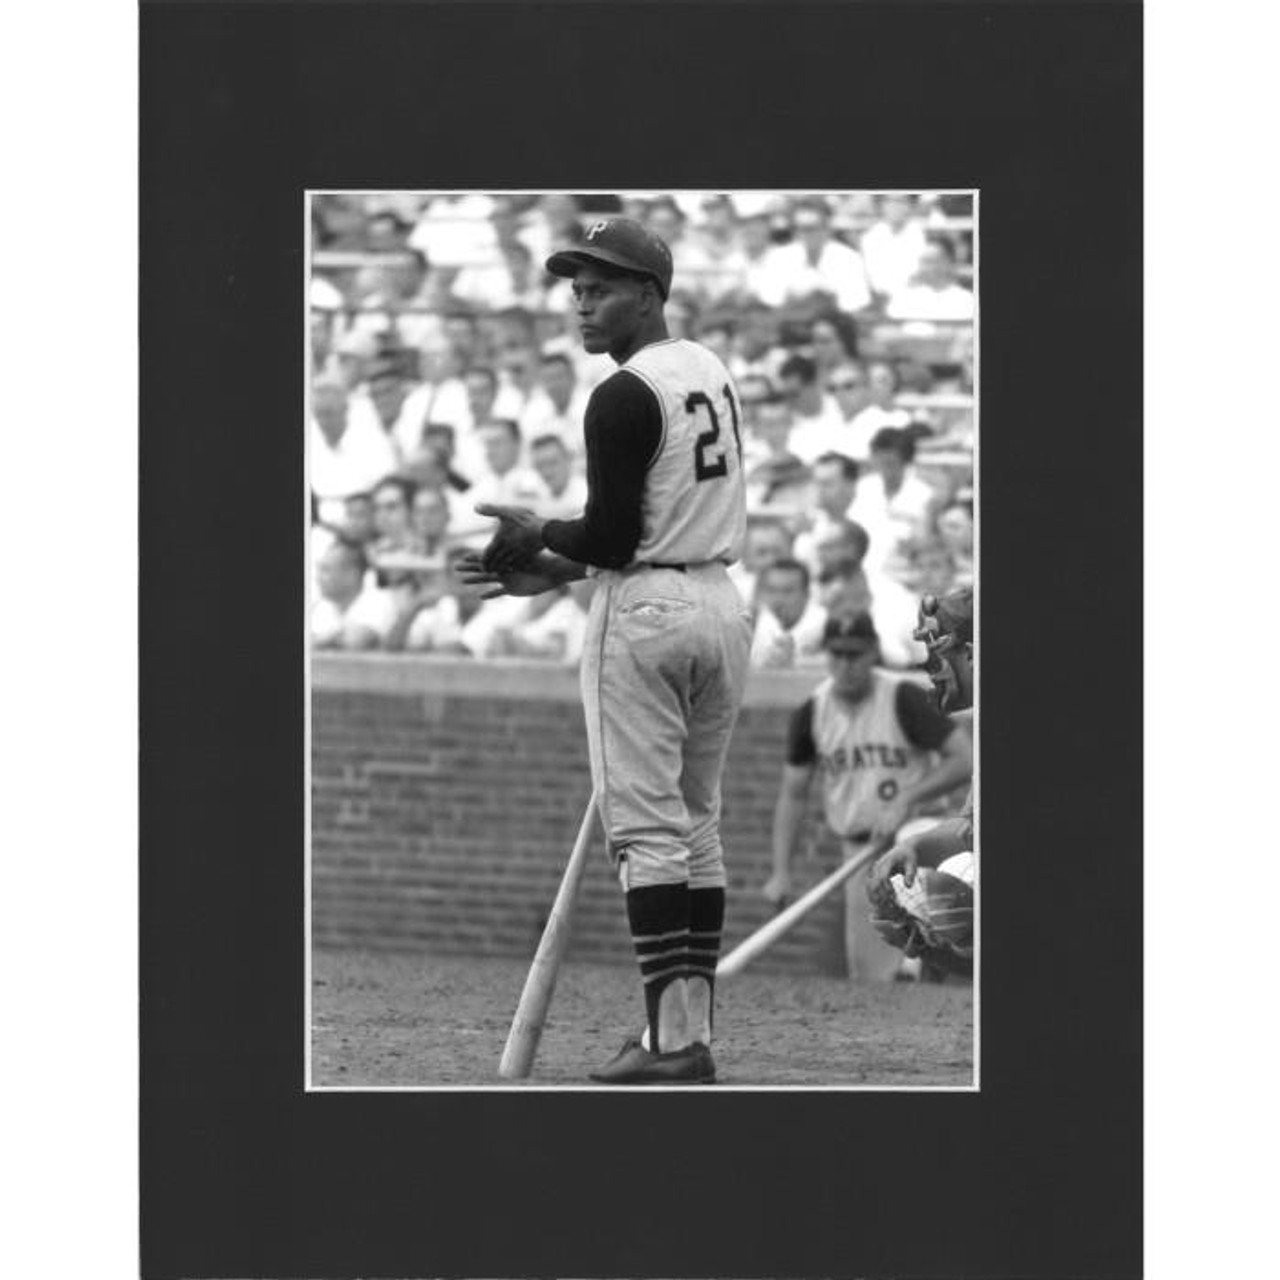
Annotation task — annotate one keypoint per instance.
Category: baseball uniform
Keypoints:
(866, 754)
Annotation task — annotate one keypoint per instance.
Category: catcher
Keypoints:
(922, 890)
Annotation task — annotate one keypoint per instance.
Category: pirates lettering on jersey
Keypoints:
(863, 753)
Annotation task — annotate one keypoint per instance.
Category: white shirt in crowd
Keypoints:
(892, 257)
(774, 646)
(455, 231)
(922, 302)
(564, 622)
(890, 521)
(362, 456)
(542, 418)
(827, 432)
(372, 608)
(568, 505)
(518, 487)
(839, 271)
(865, 423)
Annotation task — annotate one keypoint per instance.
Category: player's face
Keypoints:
(851, 672)
(610, 310)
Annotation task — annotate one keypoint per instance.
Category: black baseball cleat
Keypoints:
(634, 1064)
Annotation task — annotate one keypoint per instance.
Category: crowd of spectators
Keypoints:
(446, 372)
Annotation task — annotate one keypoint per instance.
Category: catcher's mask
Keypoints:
(938, 631)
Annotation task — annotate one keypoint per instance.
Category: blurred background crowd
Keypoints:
(446, 371)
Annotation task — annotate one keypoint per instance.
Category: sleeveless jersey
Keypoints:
(694, 497)
(864, 756)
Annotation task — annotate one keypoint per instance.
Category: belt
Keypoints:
(679, 568)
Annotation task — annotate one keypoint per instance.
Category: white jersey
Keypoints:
(865, 756)
(694, 499)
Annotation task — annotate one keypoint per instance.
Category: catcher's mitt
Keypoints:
(933, 918)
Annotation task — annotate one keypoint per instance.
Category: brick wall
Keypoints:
(446, 795)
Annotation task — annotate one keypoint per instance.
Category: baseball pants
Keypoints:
(663, 672)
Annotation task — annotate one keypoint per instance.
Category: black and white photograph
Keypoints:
(642, 552)
(584, 832)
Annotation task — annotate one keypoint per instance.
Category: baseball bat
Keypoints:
(540, 985)
(765, 936)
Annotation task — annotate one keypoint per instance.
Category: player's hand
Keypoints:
(777, 889)
(520, 582)
(518, 540)
(900, 860)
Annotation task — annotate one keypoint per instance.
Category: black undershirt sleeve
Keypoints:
(801, 748)
(925, 726)
(623, 430)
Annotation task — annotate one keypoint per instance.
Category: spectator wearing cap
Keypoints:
(564, 495)
(819, 428)
(847, 584)
(348, 612)
(348, 453)
(936, 294)
(892, 502)
(883, 753)
(892, 245)
(815, 264)
(789, 621)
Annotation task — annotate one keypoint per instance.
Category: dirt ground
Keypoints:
(408, 1020)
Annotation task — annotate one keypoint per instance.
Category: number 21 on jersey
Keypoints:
(709, 455)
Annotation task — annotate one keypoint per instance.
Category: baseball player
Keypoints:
(882, 750)
(666, 654)
(946, 628)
